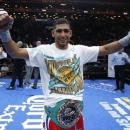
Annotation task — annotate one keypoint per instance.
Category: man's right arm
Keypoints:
(12, 49)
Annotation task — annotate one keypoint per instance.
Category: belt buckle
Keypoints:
(69, 113)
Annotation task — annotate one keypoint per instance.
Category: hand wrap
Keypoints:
(5, 34)
(125, 40)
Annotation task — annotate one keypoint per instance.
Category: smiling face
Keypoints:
(62, 34)
(38, 43)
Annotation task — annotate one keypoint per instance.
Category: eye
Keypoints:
(65, 30)
(59, 30)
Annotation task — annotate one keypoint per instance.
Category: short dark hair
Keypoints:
(60, 21)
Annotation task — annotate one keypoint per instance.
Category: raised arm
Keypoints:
(12, 49)
(110, 48)
(114, 46)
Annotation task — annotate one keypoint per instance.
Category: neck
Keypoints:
(61, 47)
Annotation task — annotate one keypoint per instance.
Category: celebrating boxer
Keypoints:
(61, 70)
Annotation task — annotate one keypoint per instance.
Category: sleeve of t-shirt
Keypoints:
(33, 53)
(89, 54)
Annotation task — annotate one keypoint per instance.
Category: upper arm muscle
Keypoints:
(23, 54)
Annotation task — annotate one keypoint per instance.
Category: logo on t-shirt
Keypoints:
(65, 74)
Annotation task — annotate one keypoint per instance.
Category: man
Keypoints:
(29, 71)
(2, 53)
(17, 71)
(36, 71)
(119, 59)
(4, 69)
(61, 71)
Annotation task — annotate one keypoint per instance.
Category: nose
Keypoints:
(62, 33)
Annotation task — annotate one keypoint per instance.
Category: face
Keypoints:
(19, 44)
(62, 34)
(38, 43)
(121, 50)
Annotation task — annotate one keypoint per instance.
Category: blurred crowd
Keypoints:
(95, 32)
(89, 33)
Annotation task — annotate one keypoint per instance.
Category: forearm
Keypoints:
(1, 52)
(114, 46)
(127, 59)
(110, 48)
(11, 48)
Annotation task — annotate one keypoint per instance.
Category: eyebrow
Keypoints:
(65, 30)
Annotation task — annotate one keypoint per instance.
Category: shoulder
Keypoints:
(44, 46)
(38, 48)
(124, 53)
(77, 46)
(116, 53)
(87, 49)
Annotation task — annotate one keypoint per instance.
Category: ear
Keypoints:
(52, 33)
(70, 33)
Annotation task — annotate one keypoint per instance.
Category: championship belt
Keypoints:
(66, 113)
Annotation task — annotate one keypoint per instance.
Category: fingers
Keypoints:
(5, 19)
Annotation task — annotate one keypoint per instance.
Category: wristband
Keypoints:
(125, 40)
(5, 36)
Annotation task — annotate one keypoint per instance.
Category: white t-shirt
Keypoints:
(61, 71)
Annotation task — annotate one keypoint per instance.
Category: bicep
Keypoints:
(23, 53)
(110, 48)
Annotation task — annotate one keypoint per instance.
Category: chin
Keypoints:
(63, 43)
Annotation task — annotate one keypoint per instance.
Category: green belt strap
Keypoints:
(52, 112)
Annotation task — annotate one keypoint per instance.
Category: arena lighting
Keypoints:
(44, 10)
(85, 11)
(63, 4)
(42, 20)
(125, 13)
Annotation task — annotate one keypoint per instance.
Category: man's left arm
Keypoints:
(114, 46)
(127, 58)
